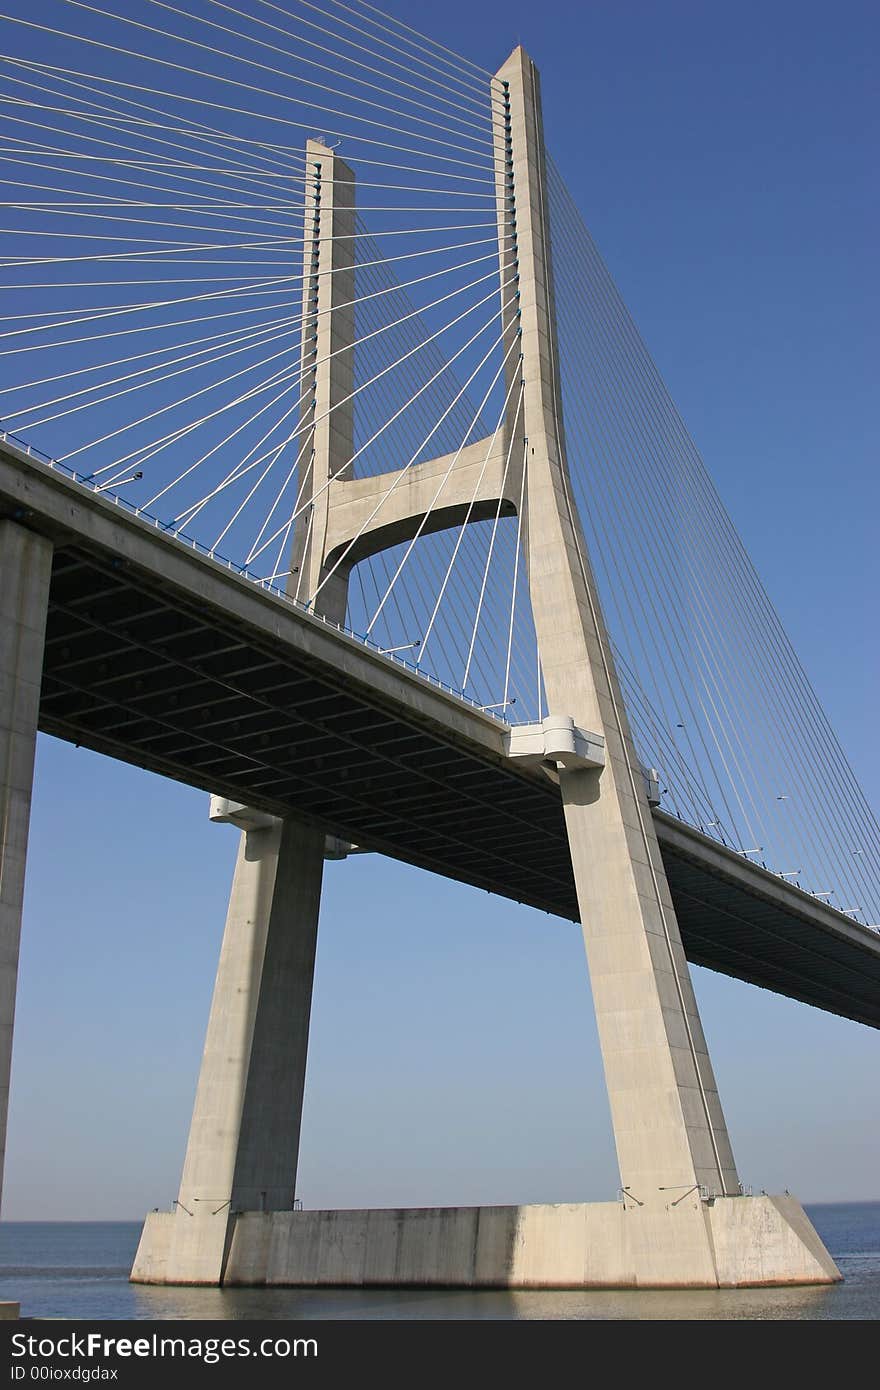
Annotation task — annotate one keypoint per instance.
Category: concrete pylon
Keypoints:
(680, 1221)
(327, 412)
(25, 572)
(244, 1136)
(668, 1124)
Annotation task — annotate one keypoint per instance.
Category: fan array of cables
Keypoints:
(154, 251)
(717, 699)
(153, 258)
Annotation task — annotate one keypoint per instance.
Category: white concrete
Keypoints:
(25, 571)
(244, 1136)
(327, 412)
(557, 741)
(223, 811)
(371, 514)
(732, 1242)
(668, 1125)
(669, 1128)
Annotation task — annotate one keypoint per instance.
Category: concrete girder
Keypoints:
(368, 515)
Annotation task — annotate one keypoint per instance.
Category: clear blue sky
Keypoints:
(724, 159)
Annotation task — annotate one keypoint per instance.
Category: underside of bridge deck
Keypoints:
(137, 672)
(172, 662)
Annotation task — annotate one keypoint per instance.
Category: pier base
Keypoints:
(728, 1242)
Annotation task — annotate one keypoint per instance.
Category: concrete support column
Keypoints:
(25, 572)
(244, 1137)
(668, 1125)
(327, 412)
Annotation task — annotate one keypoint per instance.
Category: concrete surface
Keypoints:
(371, 514)
(733, 1242)
(326, 423)
(244, 1137)
(669, 1128)
(25, 571)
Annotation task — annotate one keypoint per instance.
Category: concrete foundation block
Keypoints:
(726, 1242)
(769, 1241)
(151, 1259)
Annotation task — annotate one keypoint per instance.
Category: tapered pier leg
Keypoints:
(244, 1138)
(25, 571)
(681, 1221)
(668, 1125)
(680, 1191)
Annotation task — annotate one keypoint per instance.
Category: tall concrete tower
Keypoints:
(680, 1219)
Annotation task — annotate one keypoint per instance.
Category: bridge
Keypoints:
(165, 658)
(485, 612)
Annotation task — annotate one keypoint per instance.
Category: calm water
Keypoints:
(80, 1270)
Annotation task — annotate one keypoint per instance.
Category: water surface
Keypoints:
(80, 1270)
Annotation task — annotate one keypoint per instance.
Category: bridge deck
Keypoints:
(166, 659)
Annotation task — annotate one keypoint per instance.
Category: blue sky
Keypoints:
(723, 159)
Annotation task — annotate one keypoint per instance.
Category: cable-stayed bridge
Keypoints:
(157, 658)
(337, 480)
